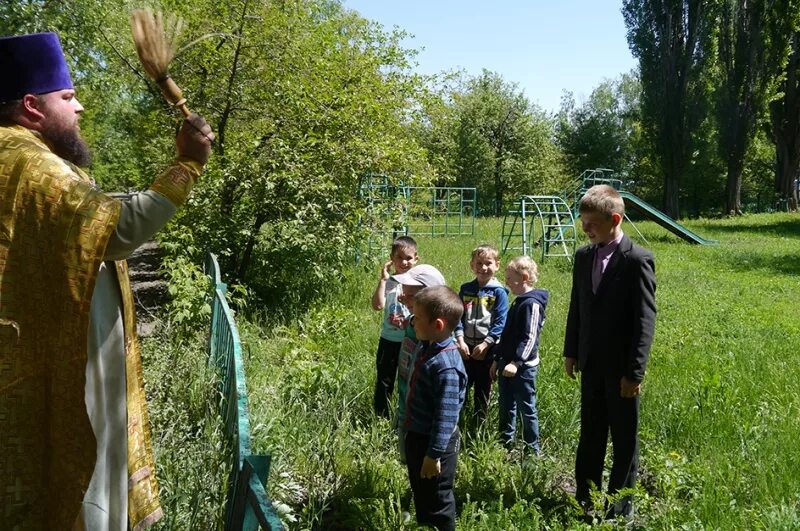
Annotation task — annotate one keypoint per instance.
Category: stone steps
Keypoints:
(150, 289)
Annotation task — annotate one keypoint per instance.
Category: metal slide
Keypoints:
(652, 213)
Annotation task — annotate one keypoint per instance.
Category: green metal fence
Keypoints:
(248, 506)
(440, 210)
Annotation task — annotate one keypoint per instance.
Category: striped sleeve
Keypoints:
(459, 331)
(445, 417)
(529, 315)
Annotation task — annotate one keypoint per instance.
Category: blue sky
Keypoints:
(544, 46)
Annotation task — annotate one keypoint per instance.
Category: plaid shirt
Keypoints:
(436, 393)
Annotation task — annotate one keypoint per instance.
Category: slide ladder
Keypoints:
(542, 221)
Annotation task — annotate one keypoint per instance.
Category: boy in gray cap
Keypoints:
(415, 279)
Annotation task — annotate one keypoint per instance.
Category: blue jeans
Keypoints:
(519, 392)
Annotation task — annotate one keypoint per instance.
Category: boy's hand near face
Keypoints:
(510, 370)
(463, 349)
(378, 296)
(385, 271)
(430, 468)
(479, 352)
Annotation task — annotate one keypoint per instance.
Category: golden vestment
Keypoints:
(54, 228)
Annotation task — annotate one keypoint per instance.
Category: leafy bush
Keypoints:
(188, 308)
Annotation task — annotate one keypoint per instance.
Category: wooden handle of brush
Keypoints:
(173, 94)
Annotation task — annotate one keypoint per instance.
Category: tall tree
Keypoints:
(600, 133)
(504, 144)
(785, 127)
(309, 97)
(436, 124)
(305, 97)
(752, 47)
(666, 37)
(493, 115)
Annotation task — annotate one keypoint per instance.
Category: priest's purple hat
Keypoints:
(32, 64)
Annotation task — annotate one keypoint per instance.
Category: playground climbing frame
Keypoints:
(393, 209)
(539, 221)
(440, 211)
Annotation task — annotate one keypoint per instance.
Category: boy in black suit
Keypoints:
(609, 331)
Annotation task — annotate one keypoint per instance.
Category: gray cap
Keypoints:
(421, 275)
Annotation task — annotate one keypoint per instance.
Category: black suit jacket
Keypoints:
(612, 330)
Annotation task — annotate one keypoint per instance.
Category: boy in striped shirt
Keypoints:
(435, 396)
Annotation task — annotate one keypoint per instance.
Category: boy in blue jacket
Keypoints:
(485, 305)
(518, 353)
(435, 396)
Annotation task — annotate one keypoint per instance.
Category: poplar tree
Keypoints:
(666, 36)
(752, 46)
(785, 126)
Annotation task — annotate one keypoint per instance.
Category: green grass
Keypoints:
(720, 405)
(191, 455)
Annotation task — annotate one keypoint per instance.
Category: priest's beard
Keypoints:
(67, 143)
(62, 132)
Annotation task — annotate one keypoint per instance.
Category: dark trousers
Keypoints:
(433, 497)
(386, 363)
(604, 410)
(478, 377)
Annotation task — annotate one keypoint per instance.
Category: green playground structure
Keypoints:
(653, 214)
(439, 210)
(543, 221)
(547, 222)
(394, 209)
(383, 218)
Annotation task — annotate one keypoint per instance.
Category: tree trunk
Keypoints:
(785, 121)
(787, 170)
(498, 182)
(733, 187)
(247, 253)
(229, 188)
(671, 196)
(735, 142)
(673, 149)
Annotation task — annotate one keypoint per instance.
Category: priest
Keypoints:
(75, 440)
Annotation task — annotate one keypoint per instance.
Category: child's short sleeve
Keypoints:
(395, 314)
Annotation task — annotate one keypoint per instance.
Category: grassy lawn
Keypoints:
(720, 407)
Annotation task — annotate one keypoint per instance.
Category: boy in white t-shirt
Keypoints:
(395, 319)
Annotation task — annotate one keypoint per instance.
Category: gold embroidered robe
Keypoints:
(54, 228)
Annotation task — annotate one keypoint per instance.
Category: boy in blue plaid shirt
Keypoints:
(436, 393)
